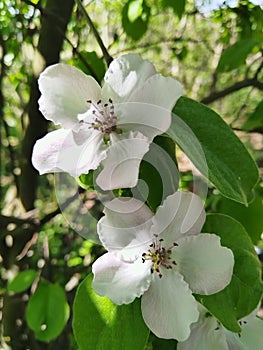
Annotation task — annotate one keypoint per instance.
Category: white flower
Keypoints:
(162, 258)
(112, 126)
(209, 334)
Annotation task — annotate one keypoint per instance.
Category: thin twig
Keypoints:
(82, 59)
(233, 88)
(105, 52)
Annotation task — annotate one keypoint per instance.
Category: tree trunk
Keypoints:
(54, 21)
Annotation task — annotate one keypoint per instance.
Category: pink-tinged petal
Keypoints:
(65, 151)
(125, 228)
(159, 90)
(181, 214)
(206, 266)
(168, 307)
(122, 282)
(147, 118)
(65, 91)
(205, 335)
(126, 74)
(121, 167)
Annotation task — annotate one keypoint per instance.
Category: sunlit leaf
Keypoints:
(99, 324)
(214, 149)
(22, 281)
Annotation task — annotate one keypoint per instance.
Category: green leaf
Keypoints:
(91, 64)
(135, 10)
(235, 55)
(161, 344)
(178, 6)
(159, 171)
(244, 292)
(22, 281)
(86, 181)
(135, 18)
(214, 149)
(250, 217)
(47, 311)
(255, 120)
(99, 324)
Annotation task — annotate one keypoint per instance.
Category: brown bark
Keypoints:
(54, 20)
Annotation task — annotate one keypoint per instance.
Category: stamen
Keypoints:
(159, 255)
(104, 117)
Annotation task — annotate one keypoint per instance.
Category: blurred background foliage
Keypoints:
(214, 50)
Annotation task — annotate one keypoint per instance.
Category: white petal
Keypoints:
(206, 266)
(65, 91)
(125, 74)
(159, 90)
(205, 335)
(234, 342)
(66, 151)
(121, 167)
(125, 228)
(149, 119)
(181, 214)
(168, 307)
(252, 333)
(122, 282)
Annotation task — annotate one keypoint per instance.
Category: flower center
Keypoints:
(160, 256)
(104, 118)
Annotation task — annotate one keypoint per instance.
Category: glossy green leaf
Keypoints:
(159, 171)
(178, 6)
(255, 120)
(250, 217)
(235, 55)
(47, 311)
(214, 149)
(99, 324)
(22, 281)
(135, 18)
(244, 292)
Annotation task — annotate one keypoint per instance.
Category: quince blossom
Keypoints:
(209, 334)
(162, 258)
(110, 126)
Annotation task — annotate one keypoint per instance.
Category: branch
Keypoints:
(82, 59)
(229, 90)
(105, 53)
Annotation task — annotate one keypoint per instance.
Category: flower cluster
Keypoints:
(162, 258)
(110, 126)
